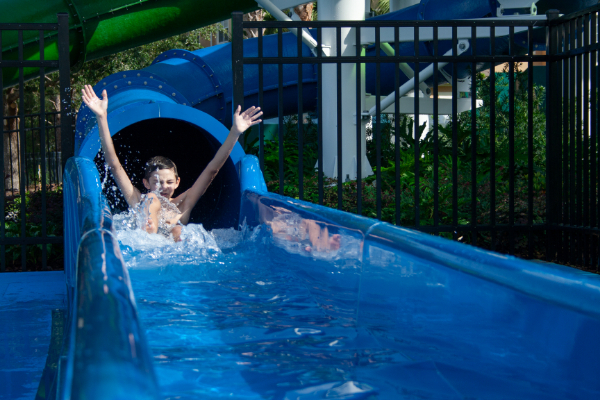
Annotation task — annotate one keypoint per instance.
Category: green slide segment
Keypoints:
(100, 28)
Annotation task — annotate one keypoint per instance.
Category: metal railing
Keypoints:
(572, 200)
(35, 152)
(34, 156)
(490, 176)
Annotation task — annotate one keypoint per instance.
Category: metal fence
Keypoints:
(572, 199)
(516, 172)
(34, 151)
(34, 156)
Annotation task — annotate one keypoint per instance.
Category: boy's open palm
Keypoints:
(243, 121)
(89, 97)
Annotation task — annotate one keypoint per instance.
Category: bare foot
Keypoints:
(176, 232)
(334, 242)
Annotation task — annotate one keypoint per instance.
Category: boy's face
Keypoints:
(167, 180)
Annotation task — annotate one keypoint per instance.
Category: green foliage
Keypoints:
(380, 7)
(290, 150)
(33, 228)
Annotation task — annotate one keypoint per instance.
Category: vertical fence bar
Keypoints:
(530, 148)
(2, 172)
(359, 52)
(553, 76)
(566, 177)
(377, 132)
(57, 165)
(572, 100)
(595, 241)
(12, 171)
(473, 95)
(562, 141)
(578, 135)
(397, 127)
(66, 122)
(436, 161)
(511, 142)
(338, 75)
(32, 134)
(492, 91)
(454, 137)
(586, 133)
(320, 114)
(417, 132)
(261, 126)
(42, 126)
(22, 152)
(280, 108)
(596, 135)
(300, 123)
(237, 53)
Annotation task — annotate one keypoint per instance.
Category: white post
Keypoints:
(341, 10)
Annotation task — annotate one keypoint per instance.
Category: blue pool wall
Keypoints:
(478, 308)
(107, 356)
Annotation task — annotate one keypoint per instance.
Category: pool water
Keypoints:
(246, 323)
(260, 315)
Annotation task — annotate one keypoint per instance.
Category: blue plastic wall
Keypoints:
(106, 352)
(483, 324)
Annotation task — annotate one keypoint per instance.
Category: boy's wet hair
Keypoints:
(159, 162)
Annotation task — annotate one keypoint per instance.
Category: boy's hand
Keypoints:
(245, 120)
(97, 106)
(150, 228)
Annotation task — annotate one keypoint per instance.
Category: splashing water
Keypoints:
(106, 173)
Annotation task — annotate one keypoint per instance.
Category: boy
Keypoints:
(161, 173)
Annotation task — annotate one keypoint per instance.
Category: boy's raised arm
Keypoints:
(99, 108)
(241, 122)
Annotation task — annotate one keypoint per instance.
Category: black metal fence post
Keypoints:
(237, 62)
(553, 154)
(2, 172)
(66, 115)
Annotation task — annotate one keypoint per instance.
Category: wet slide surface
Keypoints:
(266, 318)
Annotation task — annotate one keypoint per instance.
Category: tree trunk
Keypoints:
(304, 11)
(11, 140)
(56, 103)
(253, 16)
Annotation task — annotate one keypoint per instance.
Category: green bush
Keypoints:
(33, 228)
